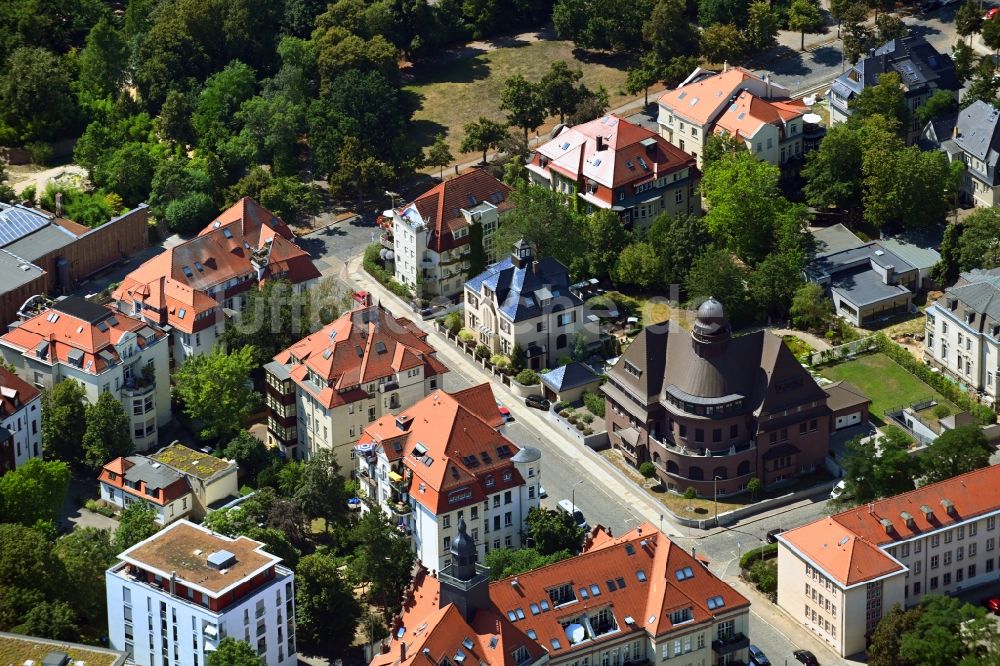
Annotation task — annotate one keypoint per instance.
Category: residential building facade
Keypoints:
(839, 575)
(973, 138)
(20, 421)
(443, 460)
(527, 302)
(174, 596)
(323, 390)
(711, 411)
(613, 164)
(431, 236)
(637, 598)
(962, 338)
(690, 113)
(104, 351)
(195, 286)
(922, 72)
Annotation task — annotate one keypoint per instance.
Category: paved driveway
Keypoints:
(73, 515)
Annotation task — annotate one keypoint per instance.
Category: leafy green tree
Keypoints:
(605, 238)
(190, 212)
(65, 421)
(103, 60)
(977, 240)
(983, 83)
(715, 273)
(762, 26)
(638, 264)
(955, 452)
(553, 531)
(968, 20)
(178, 177)
(856, 34)
(965, 59)
(438, 155)
(56, 620)
(811, 308)
(833, 173)
(233, 652)
(804, 16)
(326, 610)
(884, 648)
(990, 31)
(136, 523)
(889, 27)
(382, 558)
(643, 74)
(558, 89)
(108, 434)
(285, 196)
(723, 42)
(507, 562)
(878, 469)
(522, 100)
(669, 33)
(35, 95)
(541, 217)
(946, 631)
(886, 99)
(717, 145)
(30, 573)
(214, 117)
(774, 282)
(939, 105)
(322, 493)
(271, 127)
(946, 270)
(249, 453)
(727, 12)
(677, 241)
(276, 521)
(34, 492)
(86, 553)
(839, 9)
(613, 26)
(127, 171)
(483, 134)
(216, 389)
(591, 105)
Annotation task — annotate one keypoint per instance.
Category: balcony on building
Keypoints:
(139, 383)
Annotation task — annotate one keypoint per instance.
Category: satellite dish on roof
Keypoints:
(575, 633)
(812, 118)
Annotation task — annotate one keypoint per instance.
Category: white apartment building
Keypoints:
(839, 575)
(174, 596)
(431, 236)
(963, 332)
(20, 421)
(443, 460)
(323, 390)
(104, 351)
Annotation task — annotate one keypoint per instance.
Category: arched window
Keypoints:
(561, 341)
(656, 457)
(720, 472)
(744, 468)
(672, 467)
(695, 474)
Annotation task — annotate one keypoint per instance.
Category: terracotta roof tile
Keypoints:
(15, 392)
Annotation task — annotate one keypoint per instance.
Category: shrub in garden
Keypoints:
(527, 377)
(647, 469)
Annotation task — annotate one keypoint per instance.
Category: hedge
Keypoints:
(754, 554)
(936, 380)
(374, 268)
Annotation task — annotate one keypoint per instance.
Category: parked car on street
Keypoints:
(806, 657)
(757, 657)
(993, 605)
(772, 535)
(537, 402)
(838, 490)
(568, 507)
(991, 14)
(505, 414)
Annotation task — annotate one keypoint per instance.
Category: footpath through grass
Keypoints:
(886, 382)
(459, 92)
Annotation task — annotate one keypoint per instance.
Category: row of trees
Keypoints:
(83, 434)
(969, 244)
(939, 630)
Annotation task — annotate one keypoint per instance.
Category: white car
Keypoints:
(838, 490)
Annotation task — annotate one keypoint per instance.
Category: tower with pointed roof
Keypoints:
(465, 582)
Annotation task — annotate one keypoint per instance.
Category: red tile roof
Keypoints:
(464, 458)
(15, 393)
(640, 607)
(440, 207)
(699, 101)
(573, 153)
(115, 472)
(179, 278)
(849, 545)
(360, 347)
(749, 113)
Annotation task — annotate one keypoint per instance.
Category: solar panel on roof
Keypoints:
(16, 223)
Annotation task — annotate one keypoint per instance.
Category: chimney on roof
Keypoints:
(402, 651)
(173, 583)
(600, 143)
(725, 66)
(403, 422)
(954, 131)
(767, 86)
(59, 198)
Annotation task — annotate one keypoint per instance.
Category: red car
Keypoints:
(991, 14)
(993, 605)
(505, 414)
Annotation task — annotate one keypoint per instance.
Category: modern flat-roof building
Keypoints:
(20, 421)
(189, 287)
(20, 649)
(323, 390)
(637, 598)
(711, 410)
(839, 575)
(868, 284)
(431, 236)
(613, 164)
(104, 351)
(174, 596)
(963, 332)
(443, 460)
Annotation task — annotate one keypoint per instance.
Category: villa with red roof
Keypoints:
(431, 236)
(613, 164)
(637, 598)
(734, 102)
(20, 421)
(194, 287)
(840, 574)
(443, 460)
(324, 389)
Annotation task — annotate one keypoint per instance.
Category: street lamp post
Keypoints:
(715, 482)
(573, 496)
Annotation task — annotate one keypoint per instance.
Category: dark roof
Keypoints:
(154, 474)
(919, 65)
(570, 376)
(979, 290)
(844, 395)
(81, 308)
(978, 134)
(853, 272)
(522, 292)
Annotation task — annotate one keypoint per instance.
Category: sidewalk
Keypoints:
(585, 459)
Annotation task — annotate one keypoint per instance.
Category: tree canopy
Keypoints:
(108, 434)
(65, 421)
(216, 389)
(553, 531)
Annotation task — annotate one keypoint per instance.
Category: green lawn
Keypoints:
(459, 92)
(885, 382)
